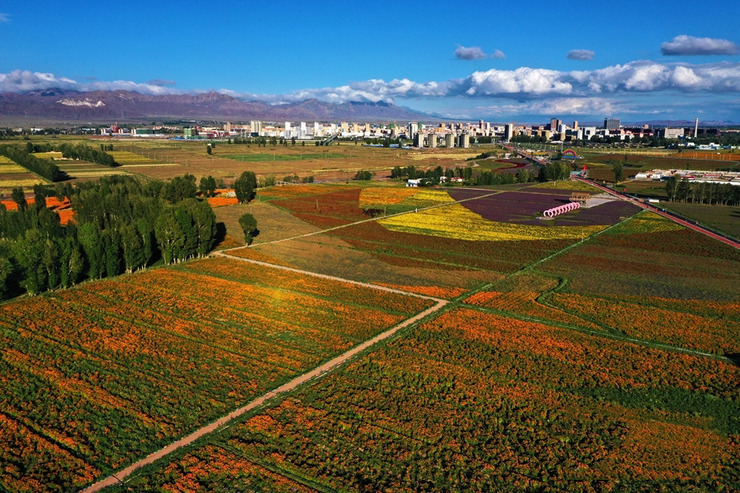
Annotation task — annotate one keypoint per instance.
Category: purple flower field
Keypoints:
(526, 206)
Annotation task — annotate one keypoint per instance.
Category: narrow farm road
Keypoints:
(378, 218)
(317, 372)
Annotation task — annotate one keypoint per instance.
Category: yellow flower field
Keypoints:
(648, 222)
(427, 198)
(456, 221)
(377, 196)
(9, 166)
(21, 183)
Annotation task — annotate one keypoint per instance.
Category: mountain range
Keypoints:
(103, 106)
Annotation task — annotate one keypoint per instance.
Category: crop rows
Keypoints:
(124, 366)
(475, 401)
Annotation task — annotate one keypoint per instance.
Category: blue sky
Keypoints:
(498, 60)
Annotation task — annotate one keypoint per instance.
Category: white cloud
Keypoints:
(25, 80)
(559, 106)
(524, 80)
(498, 54)
(689, 45)
(581, 55)
(523, 83)
(4, 18)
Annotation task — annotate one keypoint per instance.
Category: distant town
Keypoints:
(418, 134)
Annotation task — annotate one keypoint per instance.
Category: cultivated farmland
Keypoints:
(568, 354)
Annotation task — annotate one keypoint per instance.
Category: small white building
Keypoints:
(414, 183)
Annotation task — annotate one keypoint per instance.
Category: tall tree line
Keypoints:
(682, 190)
(121, 225)
(22, 157)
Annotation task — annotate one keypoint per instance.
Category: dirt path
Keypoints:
(317, 372)
(379, 218)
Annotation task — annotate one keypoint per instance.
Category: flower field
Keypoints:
(648, 257)
(458, 222)
(384, 196)
(608, 364)
(325, 210)
(672, 325)
(478, 402)
(126, 365)
(517, 295)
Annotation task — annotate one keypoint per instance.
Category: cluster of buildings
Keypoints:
(456, 134)
(720, 177)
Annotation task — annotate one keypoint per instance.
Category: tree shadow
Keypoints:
(220, 234)
(734, 357)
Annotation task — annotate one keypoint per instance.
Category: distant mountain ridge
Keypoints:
(104, 106)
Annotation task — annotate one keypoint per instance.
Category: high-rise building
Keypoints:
(450, 140)
(555, 125)
(432, 139)
(413, 129)
(287, 134)
(612, 123)
(508, 132)
(255, 127)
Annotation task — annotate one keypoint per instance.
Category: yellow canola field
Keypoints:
(456, 221)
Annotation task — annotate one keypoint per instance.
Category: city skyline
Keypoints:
(574, 60)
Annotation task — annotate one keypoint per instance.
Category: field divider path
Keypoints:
(379, 218)
(321, 370)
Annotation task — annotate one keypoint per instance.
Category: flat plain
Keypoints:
(573, 353)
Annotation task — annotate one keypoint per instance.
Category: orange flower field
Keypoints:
(602, 361)
(480, 402)
(143, 359)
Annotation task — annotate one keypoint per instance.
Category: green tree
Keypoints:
(19, 198)
(89, 236)
(133, 249)
(169, 235)
(29, 251)
(208, 186)
(249, 226)
(245, 186)
(618, 169)
(6, 275)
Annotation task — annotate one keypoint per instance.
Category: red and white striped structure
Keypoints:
(562, 209)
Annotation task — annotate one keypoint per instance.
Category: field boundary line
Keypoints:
(379, 218)
(331, 365)
(327, 276)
